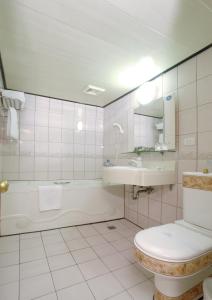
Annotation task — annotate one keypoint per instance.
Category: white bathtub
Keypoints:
(83, 201)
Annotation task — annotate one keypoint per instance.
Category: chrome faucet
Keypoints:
(136, 162)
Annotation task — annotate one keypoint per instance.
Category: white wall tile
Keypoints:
(204, 94)
(41, 134)
(187, 72)
(187, 121)
(170, 81)
(187, 96)
(42, 103)
(204, 117)
(204, 63)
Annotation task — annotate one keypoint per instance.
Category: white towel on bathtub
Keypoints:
(50, 197)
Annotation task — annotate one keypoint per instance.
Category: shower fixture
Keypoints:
(117, 125)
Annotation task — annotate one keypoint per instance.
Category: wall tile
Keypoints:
(170, 81)
(41, 134)
(204, 63)
(169, 213)
(55, 135)
(187, 121)
(204, 118)
(187, 72)
(204, 94)
(187, 96)
(205, 145)
(155, 210)
(42, 103)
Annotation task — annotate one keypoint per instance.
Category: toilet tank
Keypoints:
(197, 199)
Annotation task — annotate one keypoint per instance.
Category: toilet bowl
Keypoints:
(207, 289)
(180, 254)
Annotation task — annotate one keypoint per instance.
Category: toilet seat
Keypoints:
(173, 250)
(172, 243)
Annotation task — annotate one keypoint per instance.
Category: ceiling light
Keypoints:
(146, 93)
(93, 90)
(137, 74)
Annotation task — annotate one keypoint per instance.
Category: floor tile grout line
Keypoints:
(19, 279)
(49, 267)
(89, 246)
(78, 267)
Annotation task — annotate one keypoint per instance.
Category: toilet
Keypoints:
(207, 289)
(180, 254)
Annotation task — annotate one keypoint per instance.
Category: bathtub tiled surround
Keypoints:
(58, 140)
(192, 83)
(84, 262)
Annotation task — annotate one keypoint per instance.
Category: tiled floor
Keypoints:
(76, 263)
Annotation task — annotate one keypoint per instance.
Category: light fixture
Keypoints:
(138, 73)
(146, 93)
(79, 125)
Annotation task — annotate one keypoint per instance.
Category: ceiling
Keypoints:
(57, 47)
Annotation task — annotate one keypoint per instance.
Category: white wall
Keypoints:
(51, 146)
(192, 83)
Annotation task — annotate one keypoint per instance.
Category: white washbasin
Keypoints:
(138, 176)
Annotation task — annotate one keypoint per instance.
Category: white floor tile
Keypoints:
(122, 296)
(122, 244)
(32, 254)
(115, 261)
(70, 233)
(77, 244)
(24, 236)
(8, 244)
(129, 276)
(36, 286)
(67, 277)
(105, 286)
(84, 255)
(50, 232)
(104, 249)
(146, 273)
(87, 230)
(56, 249)
(129, 254)
(9, 274)
(52, 239)
(144, 291)
(95, 240)
(52, 296)
(31, 243)
(76, 292)
(101, 227)
(112, 236)
(60, 261)
(93, 268)
(34, 268)
(8, 259)
(9, 291)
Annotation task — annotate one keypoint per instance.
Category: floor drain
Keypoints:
(111, 227)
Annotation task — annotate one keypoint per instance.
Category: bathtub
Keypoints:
(83, 202)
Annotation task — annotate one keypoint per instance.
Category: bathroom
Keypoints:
(105, 150)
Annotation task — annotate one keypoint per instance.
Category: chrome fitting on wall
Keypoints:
(141, 189)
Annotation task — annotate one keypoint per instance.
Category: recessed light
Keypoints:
(93, 90)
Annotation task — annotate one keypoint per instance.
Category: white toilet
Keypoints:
(207, 289)
(180, 254)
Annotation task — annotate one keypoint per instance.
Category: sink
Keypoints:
(138, 176)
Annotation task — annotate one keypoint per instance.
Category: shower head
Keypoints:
(117, 125)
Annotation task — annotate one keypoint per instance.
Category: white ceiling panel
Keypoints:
(56, 48)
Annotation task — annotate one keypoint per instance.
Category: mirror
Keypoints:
(154, 118)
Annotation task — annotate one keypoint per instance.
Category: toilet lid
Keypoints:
(173, 243)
